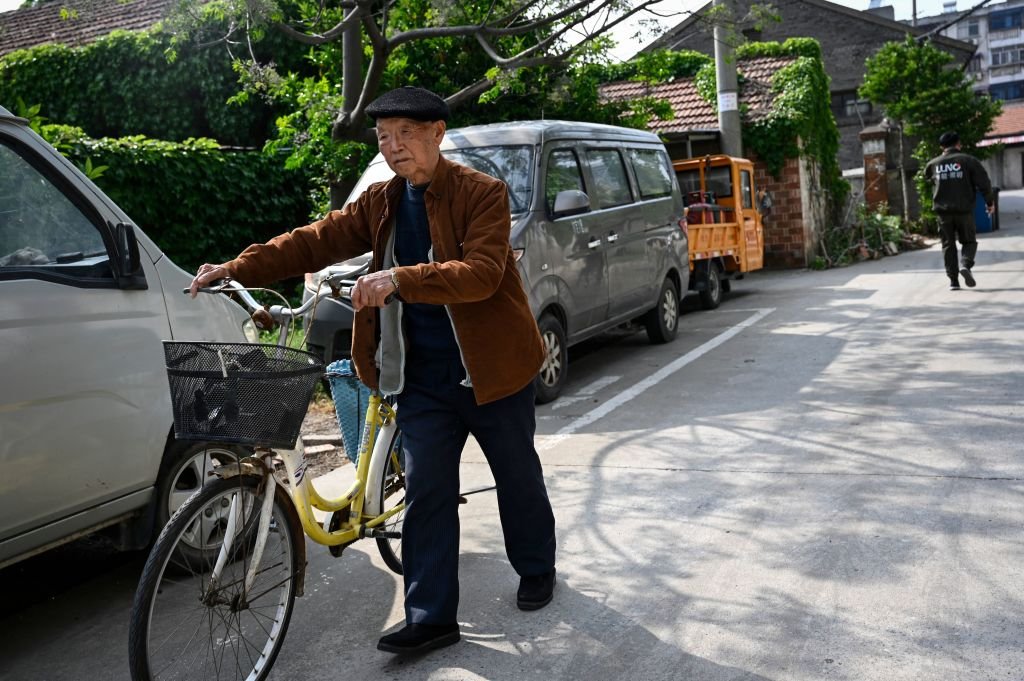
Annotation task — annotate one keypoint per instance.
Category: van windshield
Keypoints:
(510, 164)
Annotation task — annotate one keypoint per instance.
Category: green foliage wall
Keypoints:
(124, 84)
(800, 121)
(198, 203)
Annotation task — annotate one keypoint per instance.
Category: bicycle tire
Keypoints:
(181, 630)
(391, 486)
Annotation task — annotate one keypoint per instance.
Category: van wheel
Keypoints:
(186, 467)
(662, 322)
(711, 296)
(552, 374)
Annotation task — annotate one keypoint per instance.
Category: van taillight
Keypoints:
(517, 253)
(683, 226)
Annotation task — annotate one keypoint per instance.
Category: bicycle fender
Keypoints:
(378, 463)
(300, 537)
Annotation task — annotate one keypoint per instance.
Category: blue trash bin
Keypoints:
(982, 220)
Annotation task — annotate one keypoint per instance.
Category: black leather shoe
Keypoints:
(968, 277)
(419, 638)
(535, 592)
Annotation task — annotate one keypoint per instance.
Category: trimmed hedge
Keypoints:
(124, 84)
(200, 203)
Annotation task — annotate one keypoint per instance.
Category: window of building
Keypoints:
(849, 105)
(1007, 91)
(1004, 56)
(1004, 21)
(975, 65)
(971, 29)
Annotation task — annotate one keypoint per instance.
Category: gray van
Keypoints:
(85, 416)
(597, 225)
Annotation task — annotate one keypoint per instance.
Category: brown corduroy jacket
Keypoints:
(473, 272)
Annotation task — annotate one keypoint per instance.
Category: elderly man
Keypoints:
(458, 345)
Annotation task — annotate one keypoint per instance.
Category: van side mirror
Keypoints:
(570, 202)
(127, 263)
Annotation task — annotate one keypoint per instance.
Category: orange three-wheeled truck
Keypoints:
(723, 214)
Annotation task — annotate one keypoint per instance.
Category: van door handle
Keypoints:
(593, 243)
(612, 237)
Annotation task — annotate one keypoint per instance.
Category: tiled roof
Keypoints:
(693, 112)
(1009, 122)
(83, 21)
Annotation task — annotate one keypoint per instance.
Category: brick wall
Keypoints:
(785, 234)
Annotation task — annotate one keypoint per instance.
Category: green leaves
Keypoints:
(923, 89)
(198, 201)
(91, 171)
(920, 86)
(800, 121)
(128, 83)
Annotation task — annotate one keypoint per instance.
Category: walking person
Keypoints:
(957, 178)
(458, 345)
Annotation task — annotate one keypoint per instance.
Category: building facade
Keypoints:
(848, 38)
(997, 30)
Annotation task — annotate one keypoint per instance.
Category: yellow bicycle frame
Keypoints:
(305, 497)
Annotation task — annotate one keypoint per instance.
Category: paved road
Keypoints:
(820, 480)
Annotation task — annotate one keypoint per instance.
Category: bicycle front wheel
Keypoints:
(184, 626)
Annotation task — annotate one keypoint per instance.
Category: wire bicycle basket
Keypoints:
(242, 393)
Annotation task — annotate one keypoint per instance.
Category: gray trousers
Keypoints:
(960, 227)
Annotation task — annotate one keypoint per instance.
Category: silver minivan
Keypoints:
(85, 417)
(597, 225)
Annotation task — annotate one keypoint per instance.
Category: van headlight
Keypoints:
(252, 334)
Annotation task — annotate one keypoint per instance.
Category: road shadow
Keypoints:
(580, 635)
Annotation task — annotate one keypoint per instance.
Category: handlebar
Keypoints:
(265, 317)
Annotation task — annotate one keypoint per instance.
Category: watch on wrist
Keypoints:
(394, 279)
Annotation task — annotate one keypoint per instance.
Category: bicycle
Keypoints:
(217, 591)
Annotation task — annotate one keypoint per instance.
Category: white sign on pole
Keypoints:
(728, 101)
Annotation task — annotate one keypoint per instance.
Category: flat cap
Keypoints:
(409, 102)
(949, 139)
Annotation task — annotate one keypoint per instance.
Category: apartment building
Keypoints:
(998, 65)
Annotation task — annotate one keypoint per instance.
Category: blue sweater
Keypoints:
(427, 327)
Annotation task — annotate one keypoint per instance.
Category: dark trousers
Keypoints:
(960, 227)
(436, 415)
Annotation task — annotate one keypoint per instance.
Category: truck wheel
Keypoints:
(662, 322)
(552, 374)
(711, 296)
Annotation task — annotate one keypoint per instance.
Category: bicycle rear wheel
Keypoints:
(181, 626)
(392, 493)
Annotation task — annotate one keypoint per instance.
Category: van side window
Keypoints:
(563, 172)
(39, 225)
(747, 190)
(610, 182)
(653, 172)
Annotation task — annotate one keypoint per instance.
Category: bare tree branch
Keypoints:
(545, 33)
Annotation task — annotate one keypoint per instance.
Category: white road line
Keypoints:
(649, 382)
(585, 392)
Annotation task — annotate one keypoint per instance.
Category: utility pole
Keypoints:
(728, 88)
